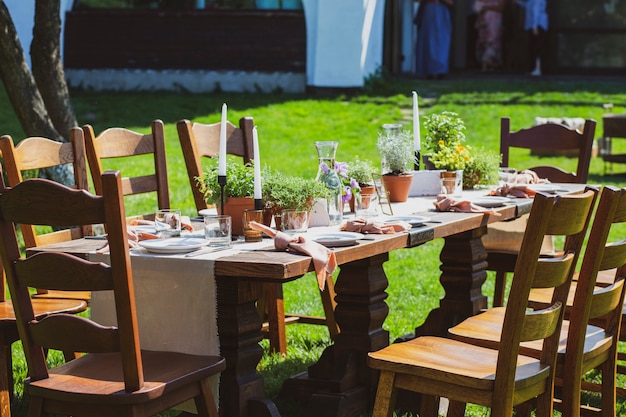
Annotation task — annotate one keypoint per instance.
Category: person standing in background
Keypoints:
(489, 27)
(434, 35)
(536, 21)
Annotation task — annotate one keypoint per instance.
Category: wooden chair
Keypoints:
(541, 137)
(117, 142)
(613, 127)
(36, 153)
(499, 379)
(582, 347)
(199, 141)
(114, 376)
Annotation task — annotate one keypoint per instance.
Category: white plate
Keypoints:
(490, 201)
(412, 220)
(333, 239)
(173, 244)
(546, 188)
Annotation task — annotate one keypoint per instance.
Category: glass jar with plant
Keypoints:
(481, 169)
(396, 151)
(283, 192)
(361, 172)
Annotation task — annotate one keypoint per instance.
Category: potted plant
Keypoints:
(238, 191)
(444, 144)
(481, 169)
(397, 156)
(361, 171)
(281, 192)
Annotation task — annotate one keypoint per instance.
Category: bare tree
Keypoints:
(39, 98)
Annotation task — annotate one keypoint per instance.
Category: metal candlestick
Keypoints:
(418, 157)
(258, 204)
(221, 180)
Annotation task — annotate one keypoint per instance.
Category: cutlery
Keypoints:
(209, 249)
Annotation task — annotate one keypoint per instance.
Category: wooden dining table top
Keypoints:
(269, 264)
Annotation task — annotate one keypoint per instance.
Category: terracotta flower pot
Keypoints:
(398, 187)
(234, 207)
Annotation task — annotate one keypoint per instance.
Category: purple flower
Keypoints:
(347, 194)
(341, 168)
(354, 184)
(324, 167)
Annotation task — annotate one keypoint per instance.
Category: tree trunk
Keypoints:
(21, 88)
(47, 67)
(20, 84)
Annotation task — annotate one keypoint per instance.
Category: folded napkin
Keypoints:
(447, 203)
(513, 190)
(361, 225)
(324, 259)
(517, 185)
(185, 222)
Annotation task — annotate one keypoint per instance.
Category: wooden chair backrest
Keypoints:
(566, 216)
(614, 125)
(554, 137)
(36, 153)
(602, 306)
(199, 140)
(118, 142)
(29, 202)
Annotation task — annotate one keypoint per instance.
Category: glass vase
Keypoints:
(327, 174)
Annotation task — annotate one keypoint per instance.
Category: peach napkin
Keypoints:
(361, 225)
(323, 258)
(517, 185)
(447, 203)
(185, 223)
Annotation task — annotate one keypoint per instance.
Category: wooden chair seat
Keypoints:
(103, 378)
(485, 330)
(434, 364)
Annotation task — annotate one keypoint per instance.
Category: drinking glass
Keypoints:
(167, 222)
(366, 205)
(250, 234)
(218, 229)
(294, 221)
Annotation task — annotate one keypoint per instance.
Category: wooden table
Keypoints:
(340, 383)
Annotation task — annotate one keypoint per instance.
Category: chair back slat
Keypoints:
(540, 324)
(28, 202)
(551, 136)
(122, 143)
(199, 141)
(87, 336)
(606, 300)
(72, 274)
(552, 272)
(36, 153)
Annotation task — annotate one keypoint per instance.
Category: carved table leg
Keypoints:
(463, 263)
(341, 383)
(239, 328)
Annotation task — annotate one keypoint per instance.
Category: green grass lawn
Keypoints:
(288, 125)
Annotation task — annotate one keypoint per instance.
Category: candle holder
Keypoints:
(418, 157)
(221, 180)
(258, 204)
